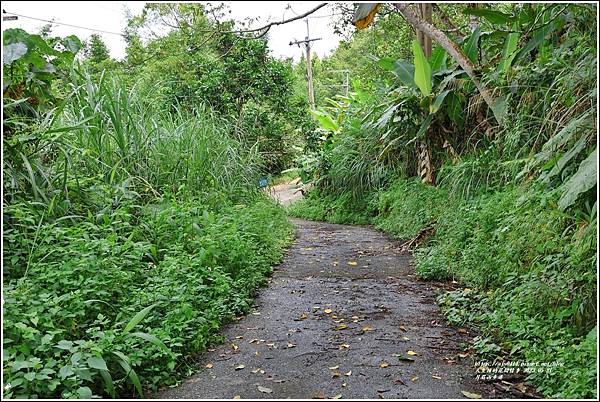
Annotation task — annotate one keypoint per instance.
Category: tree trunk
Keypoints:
(425, 166)
(453, 50)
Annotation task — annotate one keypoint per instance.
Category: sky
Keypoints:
(110, 16)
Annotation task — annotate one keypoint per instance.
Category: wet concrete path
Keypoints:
(344, 316)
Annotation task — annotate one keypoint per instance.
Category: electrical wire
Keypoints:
(64, 23)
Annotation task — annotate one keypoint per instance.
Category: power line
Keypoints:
(65, 24)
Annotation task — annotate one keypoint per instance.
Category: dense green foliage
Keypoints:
(513, 216)
(132, 231)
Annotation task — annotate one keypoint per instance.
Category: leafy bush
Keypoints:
(69, 319)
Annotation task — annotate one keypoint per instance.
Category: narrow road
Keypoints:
(343, 317)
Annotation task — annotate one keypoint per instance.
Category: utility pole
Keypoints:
(309, 77)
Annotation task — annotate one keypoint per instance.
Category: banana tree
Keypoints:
(365, 14)
(428, 80)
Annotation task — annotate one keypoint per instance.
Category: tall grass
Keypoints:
(125, 138)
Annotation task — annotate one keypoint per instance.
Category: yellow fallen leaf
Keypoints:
(239, 337)
(415, 378)
(328, 311)
(237, 397)
(304, 316)
(240, 367)
(234, 346)
(471, 395)
(334, 367)
(335, 374)
(344, 346)
(436, 377)
(403, 328)
(343, 326)
(367, 328)
(411, 353)
(209, 366)
(352, 263)
(384, 364)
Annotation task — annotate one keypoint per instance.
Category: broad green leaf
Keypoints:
(108, 382)
(130, 372)
(97, 363)
(422, 69)
(471, 48)
(401, 69)
(438, 58)
(493, 16)
(538, 38)
(405, 72)
(508, 53)
(364, 14)
(566, 158)
(563, 137)
(137, 318)
(84, 393)
(12, 52)
(66, 345)
(584, 179)
(72, 43)
(455, 110)
(150, 338)
(437, 103)
(325, 120)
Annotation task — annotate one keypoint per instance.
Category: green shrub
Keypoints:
(195, 266)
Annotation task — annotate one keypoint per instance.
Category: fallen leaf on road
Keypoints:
(240, 367)
(471, 395)
(367, 328)
(291, 345)
(335, 374)
(253, 340)
(209, 366)
(237, 397)
(265, 389)
(415, 378)
(304, 316)
(348, 374)
(403, 328)
(319, 396)
(411, 353)
(436, 377)
(344, 346)
(234, 346)
(334, 367)
(405, 338)
(338, 396)
(352, 263)
(384, 364)
(343, 326)
(255, 371)
(239, 337)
